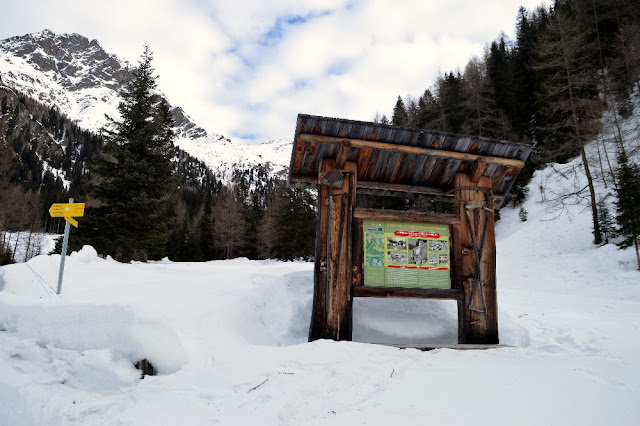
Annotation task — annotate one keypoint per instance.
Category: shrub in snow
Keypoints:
(146, 368)
(522, 214)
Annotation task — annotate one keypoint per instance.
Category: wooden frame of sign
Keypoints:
(406, 162)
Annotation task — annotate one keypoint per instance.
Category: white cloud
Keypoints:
(247, 67)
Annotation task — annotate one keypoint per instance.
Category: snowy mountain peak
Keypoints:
(83, 81)
(72, 60)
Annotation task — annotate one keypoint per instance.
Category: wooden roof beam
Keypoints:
(384, 146)
(404, 216)
(380, 187)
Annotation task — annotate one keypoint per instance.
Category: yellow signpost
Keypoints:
(68, 211)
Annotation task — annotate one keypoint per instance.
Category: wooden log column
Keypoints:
(475, 253)
(331, 316)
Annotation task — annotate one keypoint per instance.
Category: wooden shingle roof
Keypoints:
(394, 159)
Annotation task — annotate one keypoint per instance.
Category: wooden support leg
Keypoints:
(331, 316)
(476, 273)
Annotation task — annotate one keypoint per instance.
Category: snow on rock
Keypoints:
(224, 155)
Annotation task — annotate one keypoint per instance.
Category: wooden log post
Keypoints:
(478, 311)
(331, 316)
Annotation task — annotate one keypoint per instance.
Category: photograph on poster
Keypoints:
(438, 245)
(418, 252)
(397, 243)
(397, 257)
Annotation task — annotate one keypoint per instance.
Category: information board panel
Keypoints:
(403, 254)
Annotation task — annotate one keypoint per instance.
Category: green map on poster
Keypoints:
(404, 254)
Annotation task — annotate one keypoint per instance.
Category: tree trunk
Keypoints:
(635, 241)
(600, 162)
(574, 114)
(597, 235)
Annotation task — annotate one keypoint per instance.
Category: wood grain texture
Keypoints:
(389, 147)
(405, 216)
(394, 155)
(477, 327)
(333, 274)
(408, 293)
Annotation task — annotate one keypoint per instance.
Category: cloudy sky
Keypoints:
(246, 68)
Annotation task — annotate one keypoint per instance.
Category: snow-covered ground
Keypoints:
(228, 340)
(25, 245)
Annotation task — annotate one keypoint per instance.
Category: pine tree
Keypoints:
(427, 111)
(452, 102)
(501, 73)
(523, 214)
(528, 28)
(400, 116)
(628, 205)
(606, 221)
(135, 183)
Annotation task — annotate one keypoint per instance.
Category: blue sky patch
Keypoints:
(338, 68)
(275, 33)
(301, 84)
(245, 136)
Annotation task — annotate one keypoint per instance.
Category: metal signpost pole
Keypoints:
(65, 244)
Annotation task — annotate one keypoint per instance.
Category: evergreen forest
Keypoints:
(571, 76)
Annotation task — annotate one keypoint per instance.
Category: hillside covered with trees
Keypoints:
(571, 76)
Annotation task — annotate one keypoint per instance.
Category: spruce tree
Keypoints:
(628, 205)
(500, 71)
(135, 184)
(452, 102)
(427, 111)
(607, 222)
(400, 116)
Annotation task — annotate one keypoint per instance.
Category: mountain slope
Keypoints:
(76, 75)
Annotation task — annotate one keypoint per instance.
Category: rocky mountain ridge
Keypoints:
(78, 77)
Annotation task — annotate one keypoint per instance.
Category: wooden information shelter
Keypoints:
(342, 158)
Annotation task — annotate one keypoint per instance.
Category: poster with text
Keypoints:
(403, 254)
